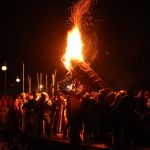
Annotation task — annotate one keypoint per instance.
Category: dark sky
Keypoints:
(35, 33)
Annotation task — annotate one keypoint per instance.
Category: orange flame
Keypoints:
(74, 48)
(79, 14)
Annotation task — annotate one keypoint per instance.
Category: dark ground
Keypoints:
(53, 143)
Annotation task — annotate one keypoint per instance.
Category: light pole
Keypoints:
(4, 68)
(17, 86)
(41, 87)
(17, 79)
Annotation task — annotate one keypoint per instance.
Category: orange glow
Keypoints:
(74, 48)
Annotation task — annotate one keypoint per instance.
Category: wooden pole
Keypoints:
(23, 78)
(53, 83)
(55, 73)
(40, 80)
(38, 86)
(55, 86)
(46, 86)
(29, 84)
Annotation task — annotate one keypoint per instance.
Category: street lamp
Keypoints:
(4, 68)
(41, 87)
(17, 79)
(17, 86)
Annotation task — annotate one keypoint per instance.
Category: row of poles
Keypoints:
(39, 80)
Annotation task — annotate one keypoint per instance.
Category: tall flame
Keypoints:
(79, 14)
(74, 47)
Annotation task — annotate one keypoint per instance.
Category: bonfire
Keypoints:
(79, 74)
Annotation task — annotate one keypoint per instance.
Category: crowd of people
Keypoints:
(118, 118)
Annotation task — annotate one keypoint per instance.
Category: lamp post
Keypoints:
(4, 68)
(17, 80)
(41, 87)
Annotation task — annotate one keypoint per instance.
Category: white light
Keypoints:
(17, 79)
(4, 68)
(41, 86)
(69, 87)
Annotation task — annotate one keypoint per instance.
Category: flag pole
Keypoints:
(38, 86)
(29, 84)
(46, 84)
(40, 81)
(23, 78)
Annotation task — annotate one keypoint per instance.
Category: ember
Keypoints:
(80, 73)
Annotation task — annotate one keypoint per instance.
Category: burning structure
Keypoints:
(84, 75)
(80, 74)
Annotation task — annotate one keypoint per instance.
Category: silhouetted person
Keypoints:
(74, 118)
(43, 111)
(88, 115)
(124, 130)
(13, 121)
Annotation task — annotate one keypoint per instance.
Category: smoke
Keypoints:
(91, 47)
(81, 13)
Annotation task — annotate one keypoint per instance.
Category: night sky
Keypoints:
(117, 41)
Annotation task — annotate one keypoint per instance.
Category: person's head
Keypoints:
(23, 95)
(129, 92)
(44, 96)
(35, 94)
(31, 96)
